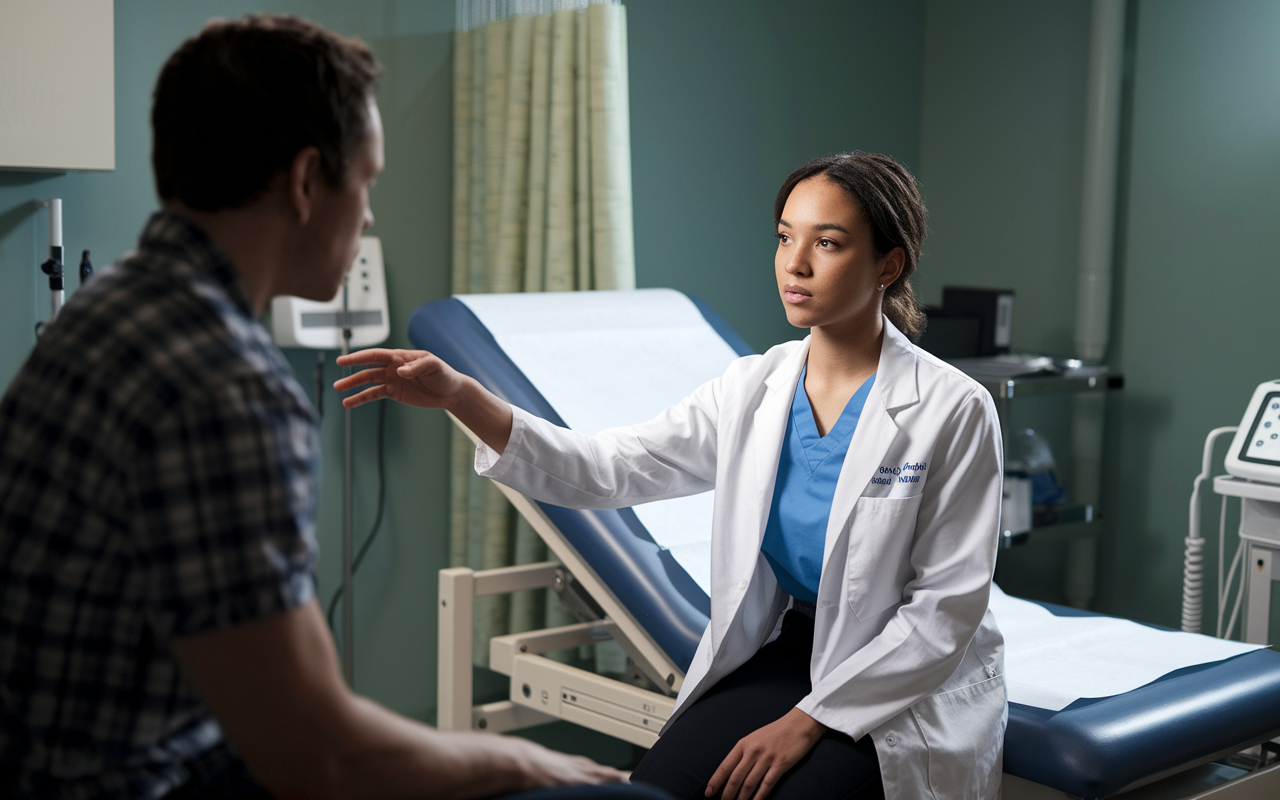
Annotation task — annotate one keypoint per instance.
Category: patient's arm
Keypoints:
(419, 378)
(275, 688)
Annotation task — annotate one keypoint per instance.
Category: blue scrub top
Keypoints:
(808, 469)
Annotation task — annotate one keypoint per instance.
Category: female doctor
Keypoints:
(858, 482)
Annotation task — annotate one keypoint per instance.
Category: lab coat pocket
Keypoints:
(879, 562)
(963, 732)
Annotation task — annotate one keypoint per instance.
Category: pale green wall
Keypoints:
(1001, 149)
(1001, 152)
(726, 98)
(1196, 280)
(1200, 280)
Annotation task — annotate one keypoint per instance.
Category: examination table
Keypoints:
(1201, 731)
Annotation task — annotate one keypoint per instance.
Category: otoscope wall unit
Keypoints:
(359, 307)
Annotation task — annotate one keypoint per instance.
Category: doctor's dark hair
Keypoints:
(889, 198)
(235, 104)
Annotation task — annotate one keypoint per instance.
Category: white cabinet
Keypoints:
(57, 84)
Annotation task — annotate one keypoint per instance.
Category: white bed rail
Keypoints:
(542, 690)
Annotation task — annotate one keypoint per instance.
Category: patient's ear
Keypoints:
(303, 179)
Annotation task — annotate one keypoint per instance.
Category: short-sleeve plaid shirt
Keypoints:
(157, 480)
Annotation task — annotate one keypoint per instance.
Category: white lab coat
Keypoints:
(904, 647)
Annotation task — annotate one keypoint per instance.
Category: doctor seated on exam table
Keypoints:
(850, 652)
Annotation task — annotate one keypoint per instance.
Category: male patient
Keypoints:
(159, 632)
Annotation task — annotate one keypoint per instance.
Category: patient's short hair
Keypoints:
(887, 194)
(235, 104)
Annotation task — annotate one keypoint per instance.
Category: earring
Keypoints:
(880, 288)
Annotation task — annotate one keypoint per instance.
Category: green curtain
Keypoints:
(542, 202)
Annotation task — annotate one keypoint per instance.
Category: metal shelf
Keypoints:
(1061, 522)
(1007, 377)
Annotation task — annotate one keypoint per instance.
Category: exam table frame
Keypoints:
(542, 689)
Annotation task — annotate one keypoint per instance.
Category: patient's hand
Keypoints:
(760, 759)
(545, 768)
(275, 687)
(418, 378)
(413, 377)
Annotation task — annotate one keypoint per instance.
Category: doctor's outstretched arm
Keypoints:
(418, 378)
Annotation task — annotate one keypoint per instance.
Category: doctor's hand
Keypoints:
(758, 761)
(419, 378)
(412, 377)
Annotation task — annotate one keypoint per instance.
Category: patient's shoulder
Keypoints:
(134, 344)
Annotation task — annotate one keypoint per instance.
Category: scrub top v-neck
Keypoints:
(808, 470)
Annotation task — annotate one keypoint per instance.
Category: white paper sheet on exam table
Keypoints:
(1052, 661)
(645, 350)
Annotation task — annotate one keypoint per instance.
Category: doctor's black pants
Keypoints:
(757, 693)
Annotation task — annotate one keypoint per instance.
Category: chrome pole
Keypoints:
(348, 590)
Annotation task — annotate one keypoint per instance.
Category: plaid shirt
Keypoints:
(157, 463)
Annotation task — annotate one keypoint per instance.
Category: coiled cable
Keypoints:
(1193, 558)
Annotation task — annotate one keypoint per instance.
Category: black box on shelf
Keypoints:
(950, 336)
(993, 309)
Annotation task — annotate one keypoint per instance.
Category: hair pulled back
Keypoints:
(889, 198)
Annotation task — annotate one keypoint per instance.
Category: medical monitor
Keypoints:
(1255, 451)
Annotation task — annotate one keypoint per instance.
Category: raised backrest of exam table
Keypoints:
(644, 577)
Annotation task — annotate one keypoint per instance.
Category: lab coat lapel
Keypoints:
(768, 427)
(895, 388)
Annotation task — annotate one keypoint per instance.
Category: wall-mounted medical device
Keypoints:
(1253, 467)
(360, 304)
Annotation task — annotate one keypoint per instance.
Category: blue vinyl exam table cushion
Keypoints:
(1092, 748)
(1099, 745)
